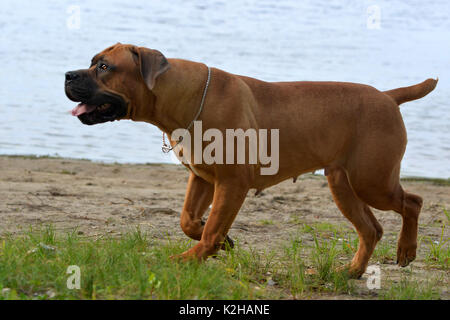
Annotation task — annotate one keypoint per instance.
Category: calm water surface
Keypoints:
(270, 40)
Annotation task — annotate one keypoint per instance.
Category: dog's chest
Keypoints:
(198, 170)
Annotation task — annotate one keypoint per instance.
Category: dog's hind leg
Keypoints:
(373, 170)
(360, 215)
(199, 196)
(388, 194)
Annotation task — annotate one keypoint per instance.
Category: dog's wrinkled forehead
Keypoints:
(118, 54)
(142, 63)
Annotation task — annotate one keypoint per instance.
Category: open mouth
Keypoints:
(95, 105)
(82, 108)
(100, 108)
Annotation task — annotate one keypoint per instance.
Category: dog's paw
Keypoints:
(184, 257)
(176, 257)
(406, 254)
(351, 271)
(227, 244)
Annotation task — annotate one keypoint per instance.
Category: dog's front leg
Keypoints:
(227, 200)
(199, 195)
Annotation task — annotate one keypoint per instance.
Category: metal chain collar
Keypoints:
(167, 148)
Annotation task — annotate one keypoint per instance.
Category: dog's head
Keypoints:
(119, 80)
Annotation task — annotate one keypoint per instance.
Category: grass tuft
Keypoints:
(439, 254)
(410, 290)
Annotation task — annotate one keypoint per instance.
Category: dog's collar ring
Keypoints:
(167, 148)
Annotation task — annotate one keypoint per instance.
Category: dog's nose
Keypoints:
(71, 75)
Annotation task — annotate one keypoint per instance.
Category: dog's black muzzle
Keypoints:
(101, 105)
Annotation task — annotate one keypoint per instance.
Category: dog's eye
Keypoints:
(103, 66)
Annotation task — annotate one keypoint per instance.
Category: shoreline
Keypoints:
(436, 180)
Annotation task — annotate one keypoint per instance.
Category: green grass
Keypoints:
(307, 270)
(411, 290)
(130, 267)
(30, 156)
(439, 251)
(435, 181)
(293, 275)
(321, 227)
(266, 222)
(447, 214)
(385, 251)
(134, 266)
(324, 256)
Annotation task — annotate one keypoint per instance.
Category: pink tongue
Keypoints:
(82, 108)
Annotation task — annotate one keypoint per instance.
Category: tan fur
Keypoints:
(352, 130)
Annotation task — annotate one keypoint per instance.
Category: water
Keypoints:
(270, 40)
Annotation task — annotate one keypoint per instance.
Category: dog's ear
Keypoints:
(152, 63)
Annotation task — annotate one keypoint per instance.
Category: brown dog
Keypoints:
(353, 131)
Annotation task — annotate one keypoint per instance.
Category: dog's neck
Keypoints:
(176, 96)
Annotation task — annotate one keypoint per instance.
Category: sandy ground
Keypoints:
(104, 199)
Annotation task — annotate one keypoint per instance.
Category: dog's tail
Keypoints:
(420, 90)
